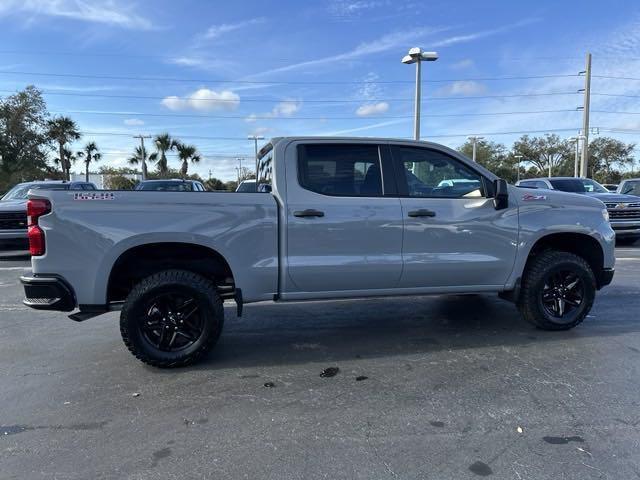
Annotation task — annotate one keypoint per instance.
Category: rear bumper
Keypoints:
(48, 293)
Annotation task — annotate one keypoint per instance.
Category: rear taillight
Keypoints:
(36, 207)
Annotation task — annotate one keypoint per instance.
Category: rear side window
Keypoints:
(340, 169)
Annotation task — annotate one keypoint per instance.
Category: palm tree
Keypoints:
(90, 154)
(68, 158)
(63, 130)
(186, 153)
(140, 157)
(164, 143)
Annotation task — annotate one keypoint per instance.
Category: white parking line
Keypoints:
(14, 268)
(627, 258)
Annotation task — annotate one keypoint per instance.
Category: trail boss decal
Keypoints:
(533, 198)
(94, 196)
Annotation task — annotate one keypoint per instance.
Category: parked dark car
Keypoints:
(173, 185)
(624, 210)
(13, 210)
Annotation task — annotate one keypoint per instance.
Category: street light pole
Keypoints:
(519, 157)
(143, 165)
(255, 139)
(585, 117)
(474, 141)
(417, 56)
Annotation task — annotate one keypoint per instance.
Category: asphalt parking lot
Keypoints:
(440, 387)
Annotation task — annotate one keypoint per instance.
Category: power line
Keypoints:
(244, 139)
(611, 77)
(280, 82)
(266, 100)
(324, 117)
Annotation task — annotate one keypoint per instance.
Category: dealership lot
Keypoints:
(456, 387)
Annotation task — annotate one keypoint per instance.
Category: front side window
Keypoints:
(340, 169)
(433, 174)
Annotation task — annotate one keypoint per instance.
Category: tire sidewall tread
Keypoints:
(214, 318)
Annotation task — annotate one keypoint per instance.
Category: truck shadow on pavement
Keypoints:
(330, 332)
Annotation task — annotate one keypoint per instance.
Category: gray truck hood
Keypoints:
(550, 197)
(615, 197)
(13, 206)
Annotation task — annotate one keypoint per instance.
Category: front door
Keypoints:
(343, 233)
(453, 236)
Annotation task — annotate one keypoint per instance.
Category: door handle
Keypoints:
(423, 212)
(310, 212)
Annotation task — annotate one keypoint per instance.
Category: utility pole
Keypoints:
(144, 154)
(519, 157)
(239, 170)
(255, 139)
(417, 56)
(585, 117)
(474, 141)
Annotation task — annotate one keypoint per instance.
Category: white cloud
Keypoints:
(286, 108)
(133, 122)
(351, 8)
(462, 64)
(203, 99)
(386, 42)
(446, 42)
(216, 31)
(107, 12)
(463, 87)
(372, 109)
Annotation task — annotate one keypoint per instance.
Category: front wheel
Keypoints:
(172, 318)
(558, 289)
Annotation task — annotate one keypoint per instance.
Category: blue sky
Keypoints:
(219, 71)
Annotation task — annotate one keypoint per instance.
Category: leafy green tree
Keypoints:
(23, 139)
(63, 130)
(494, 157)
(545, 153)
(609, 158)
(90, 154)
(119, 182)
(214, 184)
(186, 154)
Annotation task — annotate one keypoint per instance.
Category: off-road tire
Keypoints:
(530, 303)
(132, 315)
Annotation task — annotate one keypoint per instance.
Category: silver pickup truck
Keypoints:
(336, 218)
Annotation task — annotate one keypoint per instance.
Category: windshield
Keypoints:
(631, 188)
(167, 186)
(578, 185)
(20, 191)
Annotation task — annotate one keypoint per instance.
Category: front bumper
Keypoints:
(626, 229)
(48, 293)
(605, 277)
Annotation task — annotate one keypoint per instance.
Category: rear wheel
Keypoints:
(172, 318)
(558, 289)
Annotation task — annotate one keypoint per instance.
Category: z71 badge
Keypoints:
(94, 196)
(532, 198)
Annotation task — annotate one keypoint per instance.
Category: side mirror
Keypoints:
(500, 194)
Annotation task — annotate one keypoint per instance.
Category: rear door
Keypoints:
(344, 220)
(453, 236)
